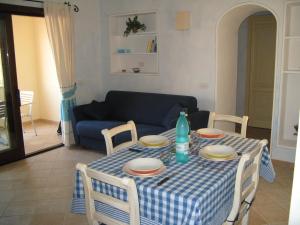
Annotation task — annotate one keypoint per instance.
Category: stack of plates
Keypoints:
(154, 141)
(218, 153)
(210, 133)
(145, 167)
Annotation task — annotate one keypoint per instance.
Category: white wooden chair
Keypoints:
(26, 101)
(128, 184)
(247, 172)
(213, 117)
(109, 134)
(3, 113)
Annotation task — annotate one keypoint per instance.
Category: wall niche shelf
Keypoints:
(137, 50)
(290, 76)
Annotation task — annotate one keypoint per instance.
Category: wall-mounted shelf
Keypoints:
(132, 73)
(291, 71)
(292, 37)
(291, 76)
(137, 53)
(142, 33)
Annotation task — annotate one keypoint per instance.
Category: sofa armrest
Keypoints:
(198, 119)
(77, 114)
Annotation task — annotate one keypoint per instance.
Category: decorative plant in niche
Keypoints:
(133, 25)
(296, 128)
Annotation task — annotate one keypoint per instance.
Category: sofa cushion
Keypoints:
(96, 110)
(145, 108)
(172, 116)
(93, 128)
(142, 130)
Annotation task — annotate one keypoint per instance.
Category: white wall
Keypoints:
(26, 59)
(35, 67)
(187, 59)
(50, 95)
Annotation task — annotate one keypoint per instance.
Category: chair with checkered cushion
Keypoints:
(95, 217)
(246, 182)
(109, 134)
(213, 117)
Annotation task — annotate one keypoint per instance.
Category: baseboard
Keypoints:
(41, 120)
(283, 154)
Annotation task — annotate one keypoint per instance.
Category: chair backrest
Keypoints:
(131, 206)
(213, 117)
(246, 182)
(109, 134)
(2, 109)
(26, 97)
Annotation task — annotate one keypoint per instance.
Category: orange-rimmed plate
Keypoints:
(144, 165)
(210, 133)
(154, 141)
(144, 174)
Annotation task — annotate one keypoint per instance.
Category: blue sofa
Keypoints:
(152, 114)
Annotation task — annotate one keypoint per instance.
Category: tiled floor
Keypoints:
(46, 135)
(38, 191)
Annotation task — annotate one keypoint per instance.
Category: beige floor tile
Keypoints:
(13, 175)
(3, 206)
(46, 136)
(272, 213)
(39, 173)
(41, 165)
(75, 219)
(20, 208)
(10, 184)
(47, 219)
(6, 196)
(58, 193)
(255, 218)
(33, 194)
(44, 182)
(53, 206)
(15, 220)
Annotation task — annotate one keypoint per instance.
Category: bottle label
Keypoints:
(182, 147)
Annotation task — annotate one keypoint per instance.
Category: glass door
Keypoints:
(11, 138)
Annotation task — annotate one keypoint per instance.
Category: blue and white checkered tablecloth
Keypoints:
(199, 192)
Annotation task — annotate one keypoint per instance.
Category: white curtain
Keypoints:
(60, 28)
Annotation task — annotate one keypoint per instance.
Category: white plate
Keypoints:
(144, 164)
(210, 133)
(218, 153)
(154, 141)
(153, 174)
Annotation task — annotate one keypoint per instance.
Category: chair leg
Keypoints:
(33, 125)
(245, 219)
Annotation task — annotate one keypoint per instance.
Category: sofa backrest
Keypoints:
(148, 108)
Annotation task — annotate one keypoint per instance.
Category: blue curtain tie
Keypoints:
(67, 103)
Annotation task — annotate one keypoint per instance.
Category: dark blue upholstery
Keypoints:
(152, 114)
(93, 128)
(147, 108)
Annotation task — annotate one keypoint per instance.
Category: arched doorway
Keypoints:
(227, 56)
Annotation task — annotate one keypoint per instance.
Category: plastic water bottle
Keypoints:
(182, 139)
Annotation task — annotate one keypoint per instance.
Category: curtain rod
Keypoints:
(76, 9)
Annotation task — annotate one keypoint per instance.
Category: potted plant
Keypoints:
(133, 25)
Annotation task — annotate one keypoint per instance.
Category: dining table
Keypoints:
(199, 192)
